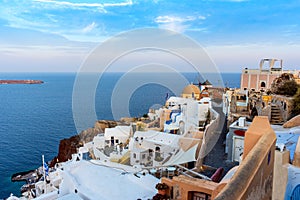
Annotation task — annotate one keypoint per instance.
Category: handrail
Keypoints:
(193, 172)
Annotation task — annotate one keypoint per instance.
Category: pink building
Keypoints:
(262, 78)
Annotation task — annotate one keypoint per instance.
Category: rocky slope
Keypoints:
(69, 146)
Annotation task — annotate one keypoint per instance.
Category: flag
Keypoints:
(46, 168)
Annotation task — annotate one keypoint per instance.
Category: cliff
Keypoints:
(69, 146)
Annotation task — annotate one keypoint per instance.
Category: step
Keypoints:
(275, 110)
(276, 113)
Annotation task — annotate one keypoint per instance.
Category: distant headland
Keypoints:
(21, 82)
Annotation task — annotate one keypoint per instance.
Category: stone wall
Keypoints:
(69, 146)
(280, 174)
(254, 177)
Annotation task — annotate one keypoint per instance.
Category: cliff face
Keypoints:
(69, 146)
(99, 127)
(66, 148)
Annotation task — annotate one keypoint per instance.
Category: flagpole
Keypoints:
(44, 174)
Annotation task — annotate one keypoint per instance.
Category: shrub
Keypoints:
(296, 103)
(287, 88)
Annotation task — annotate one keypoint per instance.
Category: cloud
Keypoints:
(52, 4)
(126, 3)
(175, 23)
(89, 27)
(78, 5)
(173, 19)
(177, 27)
(198, 29)
(227, 0)
(71, 4)
(201, 17)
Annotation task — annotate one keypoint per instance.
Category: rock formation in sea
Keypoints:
(21, 82)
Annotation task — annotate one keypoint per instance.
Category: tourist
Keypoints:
(162, 192)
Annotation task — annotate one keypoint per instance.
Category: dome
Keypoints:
(191, 89)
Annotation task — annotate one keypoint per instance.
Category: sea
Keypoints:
(35, 117)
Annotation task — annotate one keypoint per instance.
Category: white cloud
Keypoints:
(177, 27)
(78, 5)
(201, 17)
(172, 19)
(89, 27)
(71, 4)
(126, 3)
(228, 0)
(198, 29)
(175, 23)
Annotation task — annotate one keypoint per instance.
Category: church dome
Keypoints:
(191, 89)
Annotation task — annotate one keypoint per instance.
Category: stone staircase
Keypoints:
(276, 116)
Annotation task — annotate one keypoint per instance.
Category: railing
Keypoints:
(176, 169)
(187, 172)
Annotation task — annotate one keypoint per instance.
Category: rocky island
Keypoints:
(21, 82)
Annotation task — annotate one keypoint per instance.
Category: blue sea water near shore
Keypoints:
(34, 118)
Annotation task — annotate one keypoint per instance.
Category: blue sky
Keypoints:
(57, 35)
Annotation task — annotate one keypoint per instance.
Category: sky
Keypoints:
(58, 35)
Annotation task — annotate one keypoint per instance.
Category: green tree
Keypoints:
(287, 88)
(296, 103)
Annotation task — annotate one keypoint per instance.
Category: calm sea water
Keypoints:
(34, 118)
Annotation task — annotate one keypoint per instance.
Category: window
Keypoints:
(134, 156)
(158, 156)
(263, 84)
(112, 141)
(198, 196)
(150, 152)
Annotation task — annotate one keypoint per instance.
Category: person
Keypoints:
(162, 192)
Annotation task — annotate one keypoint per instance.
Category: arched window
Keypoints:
(263, 84)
